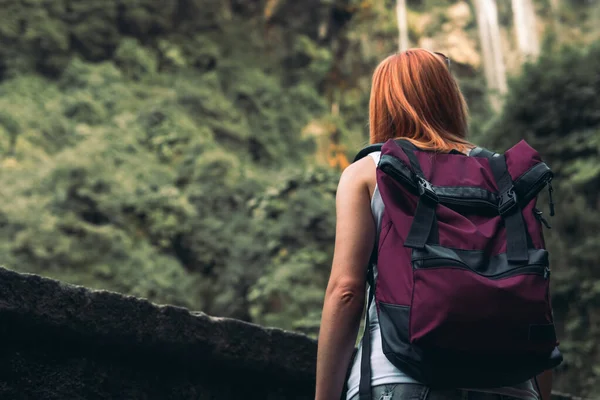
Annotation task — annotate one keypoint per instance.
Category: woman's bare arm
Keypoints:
(345, 295)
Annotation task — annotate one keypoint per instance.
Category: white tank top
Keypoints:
(383, 372)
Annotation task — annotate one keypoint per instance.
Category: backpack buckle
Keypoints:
(426, 190)
(507, 202)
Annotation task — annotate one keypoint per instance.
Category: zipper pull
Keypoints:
(546, 272)
(550, 190)
(540, 217)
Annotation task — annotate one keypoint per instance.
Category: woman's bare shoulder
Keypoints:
(359, 175)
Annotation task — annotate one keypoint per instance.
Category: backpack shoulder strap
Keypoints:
(481, 152)
(516, 244)
(405, 144)
(368, 150)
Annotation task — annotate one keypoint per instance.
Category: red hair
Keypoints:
(415, 97)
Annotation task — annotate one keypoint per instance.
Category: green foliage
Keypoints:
(298, 219)
(134, 60)
(153, 161)
(149, 192)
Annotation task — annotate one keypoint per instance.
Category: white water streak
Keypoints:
(403, 42)
(525, 28)
(491, 49)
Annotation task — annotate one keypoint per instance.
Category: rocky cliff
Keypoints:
(62, 341)
(68, 342)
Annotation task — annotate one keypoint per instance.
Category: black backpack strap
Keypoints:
(517, 245)
(517, 249)
(364, 386)
(377, 147)
(424, 218)
(368, 150)
(481, 152)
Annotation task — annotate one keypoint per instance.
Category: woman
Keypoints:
(413, 96)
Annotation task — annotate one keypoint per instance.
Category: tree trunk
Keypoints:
(401, 14)
(525, 28)
(491, 49)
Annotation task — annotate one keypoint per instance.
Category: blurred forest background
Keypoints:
(188, 151)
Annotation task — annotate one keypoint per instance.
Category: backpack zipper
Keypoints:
(392, 165)
(540, 217)
(550, 190)
(392, 170)
(467, 202)
(451, 262)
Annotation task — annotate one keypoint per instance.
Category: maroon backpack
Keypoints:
(462, 289)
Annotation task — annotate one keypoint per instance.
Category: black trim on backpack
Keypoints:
(542, 332)
(397, 348)
(442, 369)
(494, 267)
(526, 187)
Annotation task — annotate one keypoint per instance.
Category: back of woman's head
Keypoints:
(414, 96)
